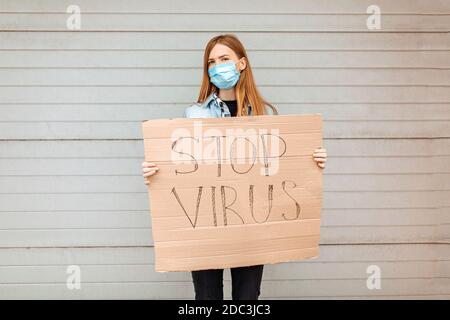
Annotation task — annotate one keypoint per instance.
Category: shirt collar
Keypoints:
(213, 97)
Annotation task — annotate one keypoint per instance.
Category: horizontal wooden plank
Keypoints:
(34, 183)
(275, 272)
(252, 6)
(137, 112)
(184, 290)
(262, 58)
(191, 77)
(132, 129)
(197, 40)
(139, 201)
(218, 22)
(282, 94)
(144, 255)
(125, 149)
(92, 237)
(126, 219)
(118, 167)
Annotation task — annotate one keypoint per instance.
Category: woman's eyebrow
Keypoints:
(224, 55)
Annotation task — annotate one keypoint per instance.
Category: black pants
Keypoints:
(245, 281)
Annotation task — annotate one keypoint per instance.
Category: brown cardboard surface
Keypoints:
(210, 203)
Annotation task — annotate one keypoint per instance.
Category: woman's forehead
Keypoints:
(219, 50)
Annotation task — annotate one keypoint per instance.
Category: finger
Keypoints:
(148, 164)
(148, 174)
(320, 159)
(322, 165)
(319, 155)
(150, 169)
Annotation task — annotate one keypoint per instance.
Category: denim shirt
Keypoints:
(212, 107)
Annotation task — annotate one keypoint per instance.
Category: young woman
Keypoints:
(228, 89)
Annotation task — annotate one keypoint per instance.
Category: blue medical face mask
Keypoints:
(224, 75)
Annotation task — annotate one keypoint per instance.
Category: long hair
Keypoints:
(246, 91)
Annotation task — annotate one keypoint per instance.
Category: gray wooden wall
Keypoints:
(71, 105)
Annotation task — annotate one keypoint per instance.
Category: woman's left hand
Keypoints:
(320, 156)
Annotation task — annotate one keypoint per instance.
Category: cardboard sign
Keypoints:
(234, 191)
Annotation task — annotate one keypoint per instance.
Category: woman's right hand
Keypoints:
(148, 169)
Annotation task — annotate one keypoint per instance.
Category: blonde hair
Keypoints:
(246, 91)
